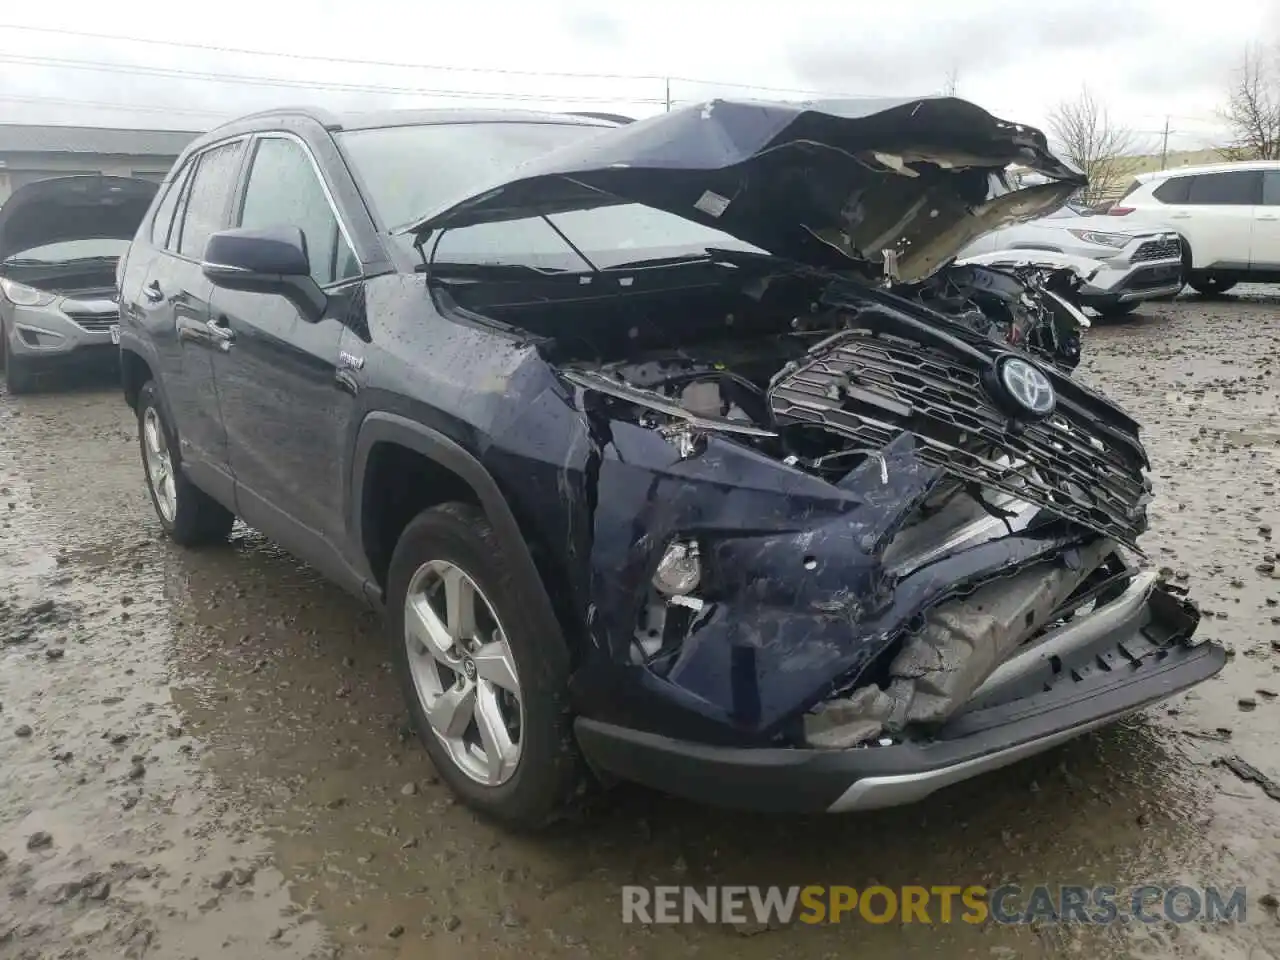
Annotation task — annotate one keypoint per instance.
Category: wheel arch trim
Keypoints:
(380, 427)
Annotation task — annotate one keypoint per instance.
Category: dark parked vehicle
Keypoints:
(675, 451)
(60, 240)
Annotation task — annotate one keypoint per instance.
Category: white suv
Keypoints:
(1228, 215)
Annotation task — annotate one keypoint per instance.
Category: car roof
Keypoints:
(284, 117)
(1238, 165)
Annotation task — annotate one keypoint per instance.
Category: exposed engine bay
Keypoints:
(852, 372)
(851, 375)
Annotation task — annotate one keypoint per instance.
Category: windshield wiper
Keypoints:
(724, 255)
(483, 271)
(675, 261)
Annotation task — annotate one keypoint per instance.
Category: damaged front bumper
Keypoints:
(1124, 655)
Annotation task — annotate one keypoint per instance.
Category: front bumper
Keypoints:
(45, 339)
(1120, 281)
(1128, 654)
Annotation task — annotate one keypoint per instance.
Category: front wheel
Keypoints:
(188, 514)
(18, 376)
(486, 683)
(1115, 311)
(1210, 286)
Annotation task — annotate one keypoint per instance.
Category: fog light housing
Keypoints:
(680, 569)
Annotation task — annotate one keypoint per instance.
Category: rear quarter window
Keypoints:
(1173, 190)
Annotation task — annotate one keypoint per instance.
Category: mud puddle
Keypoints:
(282, 810)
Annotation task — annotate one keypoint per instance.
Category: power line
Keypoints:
(102, 105)
(403, 65)
(141, 70)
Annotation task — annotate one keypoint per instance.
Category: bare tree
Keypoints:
(951, 85)
(1104, 150)
(1253, 108)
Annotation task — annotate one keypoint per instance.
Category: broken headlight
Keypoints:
(680, 569)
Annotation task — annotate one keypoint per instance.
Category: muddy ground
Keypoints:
(203, 754)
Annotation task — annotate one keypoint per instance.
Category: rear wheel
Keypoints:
(486, 683)
(188, 514)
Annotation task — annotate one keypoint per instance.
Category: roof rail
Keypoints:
(319, 115)
(610, 117)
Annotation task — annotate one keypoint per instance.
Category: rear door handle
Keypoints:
(153, 292)
(1269, 218)
(1180, 216)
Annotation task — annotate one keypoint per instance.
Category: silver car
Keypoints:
(1121, 265)
(60, 242)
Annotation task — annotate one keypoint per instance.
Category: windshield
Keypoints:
(411, 170)
(65, 250)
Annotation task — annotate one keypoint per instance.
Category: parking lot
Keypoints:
(215, 747)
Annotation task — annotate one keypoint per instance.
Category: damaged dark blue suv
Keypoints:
(677, 451)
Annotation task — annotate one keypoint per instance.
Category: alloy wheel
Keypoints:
(463, 672)
(159, 465)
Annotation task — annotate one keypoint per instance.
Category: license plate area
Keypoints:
(115, 333)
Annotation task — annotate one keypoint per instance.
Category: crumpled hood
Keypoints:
(73, 208)
(825, 182)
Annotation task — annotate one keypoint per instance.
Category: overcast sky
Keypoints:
(1017, 58)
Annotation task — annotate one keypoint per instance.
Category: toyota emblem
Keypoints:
(1027, 386)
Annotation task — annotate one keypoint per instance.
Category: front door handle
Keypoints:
(153, 292)
(345, 381)
(221, 332)
(344, 375)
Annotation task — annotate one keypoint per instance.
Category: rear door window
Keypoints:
(1229, 189)
(1173, 190)
(209, 197)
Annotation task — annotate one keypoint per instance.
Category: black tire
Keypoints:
(1210, 286)
(198, 519)
(550, 772)
(18, 376)
(1115, 311)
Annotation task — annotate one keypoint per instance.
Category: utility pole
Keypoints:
(668, 94)
(1164, 151)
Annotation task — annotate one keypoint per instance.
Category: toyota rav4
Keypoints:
(677, 451)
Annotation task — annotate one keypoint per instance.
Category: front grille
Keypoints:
(94, 322)
(1163, 249)
(872, 388)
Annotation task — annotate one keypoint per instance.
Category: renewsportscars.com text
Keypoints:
(944, 904)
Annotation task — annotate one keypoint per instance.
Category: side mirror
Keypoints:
(273, 260)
